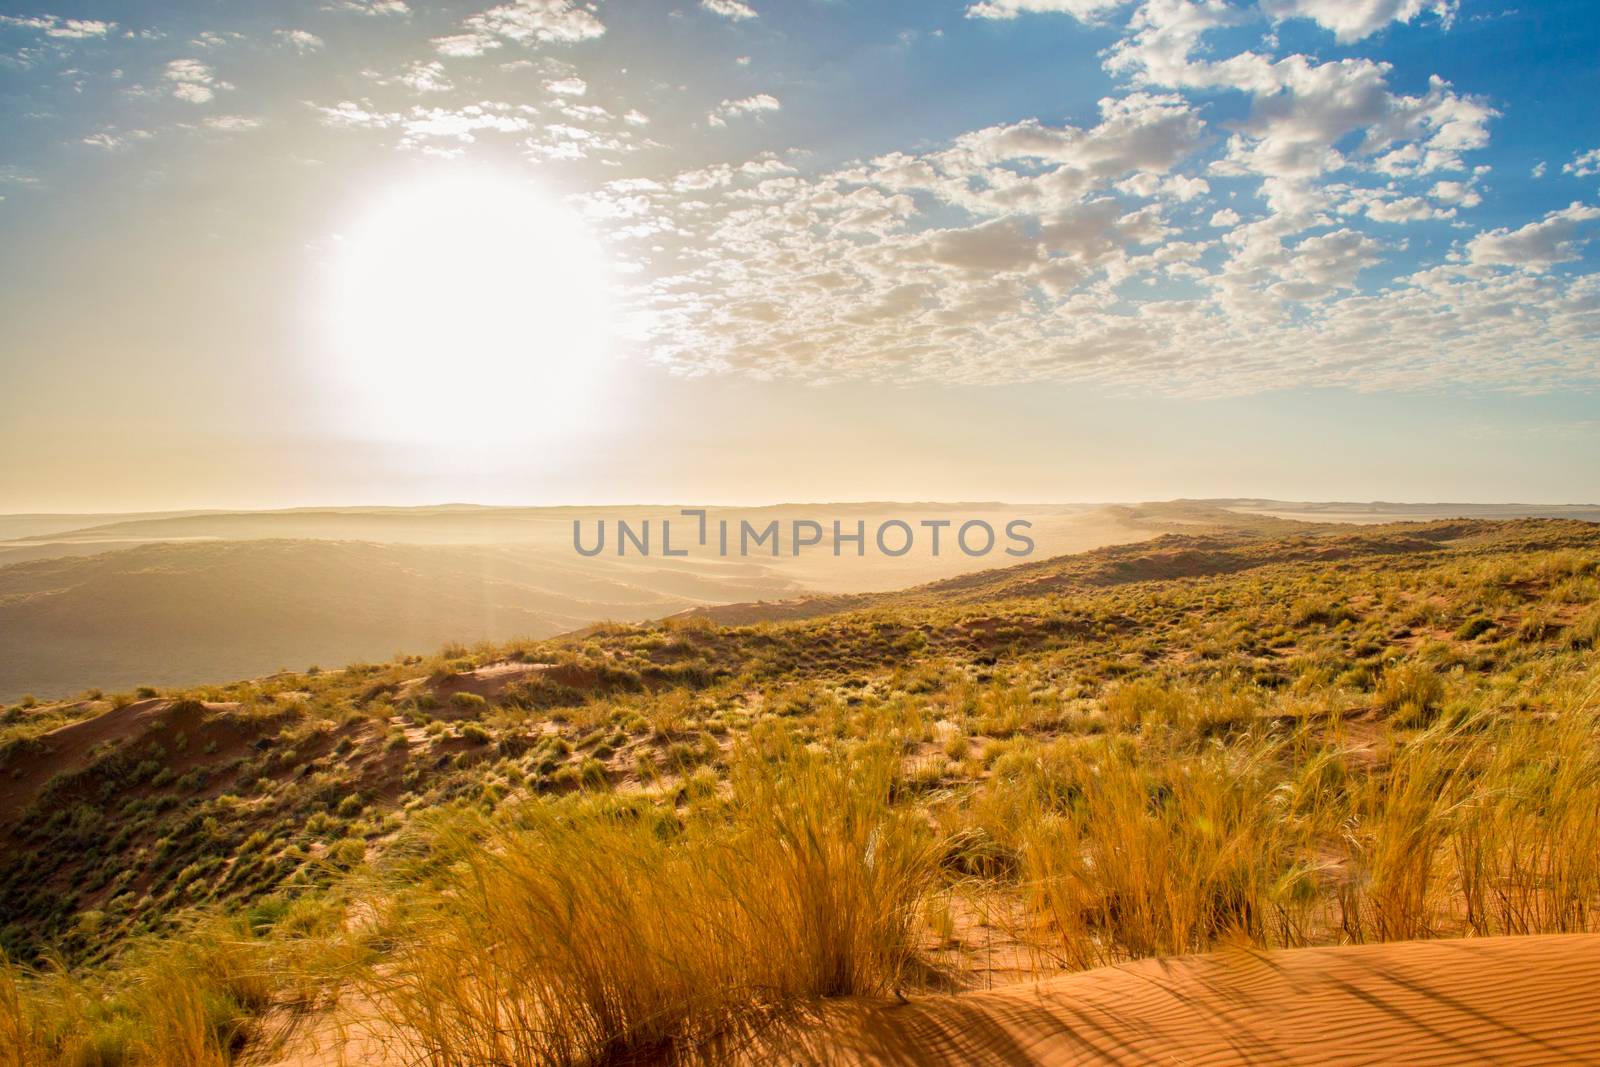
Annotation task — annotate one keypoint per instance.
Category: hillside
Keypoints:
(188, 597)
(1219, 551)
(1213, 738)
(170, 614)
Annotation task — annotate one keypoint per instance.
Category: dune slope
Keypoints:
(1504, 1000)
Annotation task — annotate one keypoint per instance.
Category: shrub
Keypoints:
(468, 702)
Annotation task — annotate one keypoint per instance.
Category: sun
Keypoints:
(467, 308)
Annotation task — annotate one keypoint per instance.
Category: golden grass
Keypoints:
(181, 1002)
(594, 932)
(1168, 842)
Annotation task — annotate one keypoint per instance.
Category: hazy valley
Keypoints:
(187, 597)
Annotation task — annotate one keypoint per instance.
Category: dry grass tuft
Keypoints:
(595, 933)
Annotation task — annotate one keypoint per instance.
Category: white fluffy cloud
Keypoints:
(60, 28)
(1015, 252)
(522, 22)
(592, 133)
(1583, 165)
(729, 9)
(370, 7)
(421, 125)
(749, 105)
(1351, 20)
(425, 77)
(1086, 10)
(232, 123)
(828, 279)
(301, 41)
(1302, 110)
(193, 81)
(1538, 246)
(568, 86)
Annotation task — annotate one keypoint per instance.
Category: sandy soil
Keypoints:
(1505, 1000)
(70, 748)
(1493, 1000)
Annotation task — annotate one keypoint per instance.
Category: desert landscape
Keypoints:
(1317, 790)
(704, 533)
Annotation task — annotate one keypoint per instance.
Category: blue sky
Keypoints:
(1308, 248)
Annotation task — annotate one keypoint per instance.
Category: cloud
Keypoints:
(570, 86)
(1538, 246)
(193, 81)
(1453, 192)
(215, 38)
(1084, 10)
(60, 28)
(421, 125)
(1352, 20)
(370, 7)
(425, 77)
(996, 247)
(1393, 206)
(779, 278)
(1030, 166)
(232, 123)
(522, 22)
(112, 139)
(1319, 265)
(729, 9)
(1007, 253)
(1303, 112)
(301, 41)
(750, 105)
(592, 133)
(1583, 165)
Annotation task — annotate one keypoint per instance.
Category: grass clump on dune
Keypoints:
(183, 1002)
(596, 932)
(1170, 841)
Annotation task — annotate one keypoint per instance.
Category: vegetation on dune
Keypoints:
(604, 929)
(641, 842)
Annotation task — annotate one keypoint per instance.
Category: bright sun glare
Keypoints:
(471, 308)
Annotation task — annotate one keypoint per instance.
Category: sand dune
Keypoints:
(1500, 1000)
(1503, 1000)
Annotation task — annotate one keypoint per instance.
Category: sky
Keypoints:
(744, 251)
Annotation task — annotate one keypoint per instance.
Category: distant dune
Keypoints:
(179, 598)
(1380, 511)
